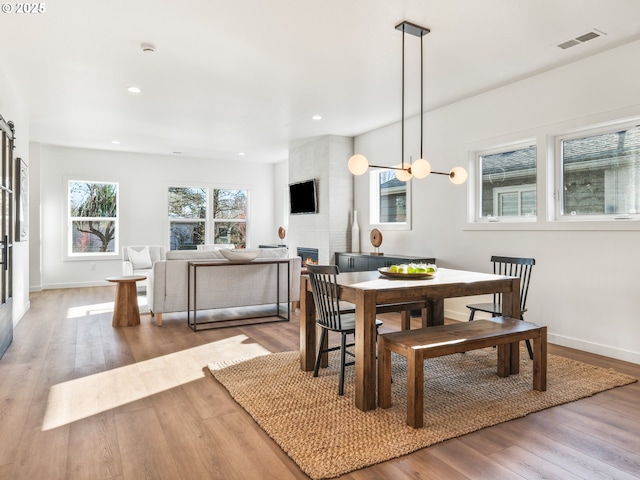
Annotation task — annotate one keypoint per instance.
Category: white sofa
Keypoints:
(214, 246)
(139, 259)
(220, 287)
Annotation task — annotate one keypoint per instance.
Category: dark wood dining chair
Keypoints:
(324, 287)
(513, 267)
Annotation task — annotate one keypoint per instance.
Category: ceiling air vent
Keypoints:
(588, 36)
(585, 37)
(568, 44)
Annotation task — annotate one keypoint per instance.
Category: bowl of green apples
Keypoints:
(409, 270)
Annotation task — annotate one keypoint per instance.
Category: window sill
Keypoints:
(578, 225)
(93, 257)
(390, 226)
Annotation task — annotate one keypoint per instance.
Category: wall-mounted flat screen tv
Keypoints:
(303, 197)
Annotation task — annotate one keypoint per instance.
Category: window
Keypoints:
(190, 225)
(390, 200)
(516, 201)
(187, 217)
(507, 182)
(230, 217)
(600, 174)
(93, 218)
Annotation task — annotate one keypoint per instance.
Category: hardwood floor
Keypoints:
(83, 400)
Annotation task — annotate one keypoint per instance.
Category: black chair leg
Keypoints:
(343, 357)
(529, 349)
(343, 360)
(472, 314)
(320, 352)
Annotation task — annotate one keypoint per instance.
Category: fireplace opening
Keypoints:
(309, 255)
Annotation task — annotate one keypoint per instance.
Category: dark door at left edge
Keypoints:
(6, 236)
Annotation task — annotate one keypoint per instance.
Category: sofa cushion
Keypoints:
(194, 255)
(214, 246)
(141, 259)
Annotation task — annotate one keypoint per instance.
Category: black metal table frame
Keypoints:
(193, 266)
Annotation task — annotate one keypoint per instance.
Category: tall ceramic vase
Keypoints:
(355, 234)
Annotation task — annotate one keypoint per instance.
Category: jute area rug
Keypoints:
(327, 436)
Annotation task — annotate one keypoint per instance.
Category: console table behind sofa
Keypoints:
(232, 286)
(192, 288)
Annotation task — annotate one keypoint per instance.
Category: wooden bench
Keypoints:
(417, 345)
(404, 309)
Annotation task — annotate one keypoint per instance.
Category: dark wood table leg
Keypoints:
(435, 312)
(365, 368)
(307, 327)
(511, 308)
(540, 361)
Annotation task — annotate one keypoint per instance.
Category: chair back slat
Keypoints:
(324, 286)
(514, 267)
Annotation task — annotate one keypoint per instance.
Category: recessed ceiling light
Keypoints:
(317, 117)
(241, 154)
(115, 142)
(134, 90)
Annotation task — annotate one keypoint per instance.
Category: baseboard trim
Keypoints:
(596, 348)
(54, 286)
(27, 306)
(564, 341)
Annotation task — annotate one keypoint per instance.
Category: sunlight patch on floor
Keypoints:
(82, 397)
(99, 308)
(87, 310)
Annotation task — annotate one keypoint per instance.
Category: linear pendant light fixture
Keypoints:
(358, 164)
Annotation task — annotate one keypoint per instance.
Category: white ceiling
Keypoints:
(247, 75)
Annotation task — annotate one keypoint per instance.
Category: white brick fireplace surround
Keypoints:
(325, 159)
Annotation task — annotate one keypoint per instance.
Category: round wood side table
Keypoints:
(125, 309)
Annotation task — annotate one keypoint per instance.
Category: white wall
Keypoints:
(281, 196)
(143, 182)
(13, 109)
(584, 285)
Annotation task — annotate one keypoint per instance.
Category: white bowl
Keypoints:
(239, 254)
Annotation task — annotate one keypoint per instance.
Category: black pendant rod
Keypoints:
(448, 174)
(402, 130)
(417, 31)
(421, 92)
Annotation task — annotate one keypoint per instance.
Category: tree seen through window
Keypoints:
(93, 214)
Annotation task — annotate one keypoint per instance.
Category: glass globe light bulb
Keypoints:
(420, 168)
(458, 175)
(403, 175)
(358, 164)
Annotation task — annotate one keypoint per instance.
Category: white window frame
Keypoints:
(214, 221)
(548, 175)
(74, 256)
(476, 193)
(555, 213)
(208, 220)
(172, 220)
(515, 189)
(374, 204)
